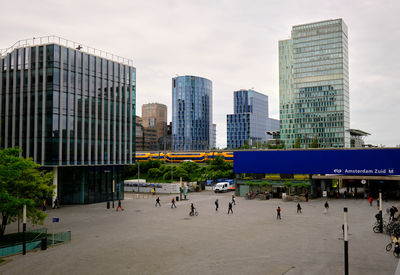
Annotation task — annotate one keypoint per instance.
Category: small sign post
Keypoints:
(54, 221)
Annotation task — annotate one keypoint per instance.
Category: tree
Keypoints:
(21, 182)
(314, 143)
(297, 143)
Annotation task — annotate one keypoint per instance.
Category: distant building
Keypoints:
(154, 116)
(146, 138)
(314, 85)
(191, 113)
(250, 120)
(214, 136)
(357, 138)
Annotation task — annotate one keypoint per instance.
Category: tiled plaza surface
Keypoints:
(145, 239)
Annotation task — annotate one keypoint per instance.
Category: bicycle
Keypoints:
(193, 213)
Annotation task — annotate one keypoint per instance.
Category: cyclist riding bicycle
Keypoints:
(192, 208)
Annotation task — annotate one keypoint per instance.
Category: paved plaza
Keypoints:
(145, 239)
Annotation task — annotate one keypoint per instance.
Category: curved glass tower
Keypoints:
(191, 113)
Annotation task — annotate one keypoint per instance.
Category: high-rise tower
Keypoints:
(314, 85)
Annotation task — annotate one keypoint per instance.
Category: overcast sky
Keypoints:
(233, 43)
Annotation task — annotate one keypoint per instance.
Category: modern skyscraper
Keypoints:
(314, 85)
(250, 120)
(214, 136)
(191, 113)
(71, 108)
(154, 115)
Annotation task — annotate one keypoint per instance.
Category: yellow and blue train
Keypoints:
(184, 156)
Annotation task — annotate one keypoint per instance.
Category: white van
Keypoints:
(221, 187)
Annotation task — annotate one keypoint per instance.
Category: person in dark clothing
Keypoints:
(306, 196)
(216, 205)
(298, 208)
(192, 209)
(326, 206)
(56, 203)
(233, 199)
(44, 206)
(119, 205)
(173, 203)
(392, 211)
(278, 213)
(230, 208)
(158, 201)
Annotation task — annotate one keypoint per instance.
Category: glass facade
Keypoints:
(64, 107)
(191, 113)
(250, 119)
(314, 85)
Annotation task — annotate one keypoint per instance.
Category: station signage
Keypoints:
(378, 162)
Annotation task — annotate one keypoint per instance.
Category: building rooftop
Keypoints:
(53, 39)
(356, 132)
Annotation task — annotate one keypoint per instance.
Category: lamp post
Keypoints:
(346, 244)
(108, 194)
(380, 212)
(24, 230)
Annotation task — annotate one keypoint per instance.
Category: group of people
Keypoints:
(173, 205)
(279, 210)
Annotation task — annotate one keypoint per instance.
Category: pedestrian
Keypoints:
(216, 205)
(230, 208)
(326, 207)
(173, 203)
(370, 201)
(119, 205)
(377, 202)
(306, 196)
(158, 201)
(233, 199)
(392, 211)
(56, 203)
(153, 191)
(278, 213)
(44, 206)
(298, 208)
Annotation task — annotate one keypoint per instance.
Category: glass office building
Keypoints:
(250, 120)
(191, 113)
(71, 109)
(314, 85)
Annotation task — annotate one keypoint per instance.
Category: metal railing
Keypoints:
(53, 39)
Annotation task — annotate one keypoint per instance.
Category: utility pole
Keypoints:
(346, 244)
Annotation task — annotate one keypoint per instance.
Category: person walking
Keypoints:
(216, 205)
(233, 199)
(173, 203)
(306, 196)
(153, 191)
(298, 208)
(370, 201)
(326, 207)
(56, 203)
(378, 202)
(158, 201)
(119, 206)
(44, 206)
(230, 208)
(278, 213)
